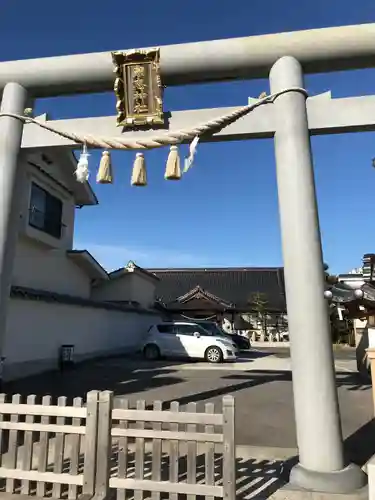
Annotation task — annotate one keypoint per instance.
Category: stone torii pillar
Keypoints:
(321, 457)
(13, 101)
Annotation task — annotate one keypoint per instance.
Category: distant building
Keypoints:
(353, 298)
(218, 293)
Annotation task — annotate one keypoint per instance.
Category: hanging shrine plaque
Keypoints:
(138, 88)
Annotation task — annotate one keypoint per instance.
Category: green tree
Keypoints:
(258, 303)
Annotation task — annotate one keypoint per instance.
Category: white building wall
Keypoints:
(36, 330)
(117, 289)
(40, 260)
(143, 290)
(128, 287)
(29, 175)
(36, 266)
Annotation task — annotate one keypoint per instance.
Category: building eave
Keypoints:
(88, 263)
(130, 268)
(42, 158)
(198, 292)
(26, 293)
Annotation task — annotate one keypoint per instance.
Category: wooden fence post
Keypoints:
(229, 449)
(104, 447)
(90, 443)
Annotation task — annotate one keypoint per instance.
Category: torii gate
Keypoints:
(291, 119)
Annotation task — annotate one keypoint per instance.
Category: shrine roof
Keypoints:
(232, 285)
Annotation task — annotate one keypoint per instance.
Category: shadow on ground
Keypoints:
(120, 375)
(126, 375)
(259, 479)
(360, 446)
(249, 355)
(255, 478)
(248, 379)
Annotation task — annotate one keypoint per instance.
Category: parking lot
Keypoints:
(260, 381)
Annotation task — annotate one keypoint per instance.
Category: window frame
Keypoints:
(215, 332)
(171, 332)
(194, 328)
(53, 204)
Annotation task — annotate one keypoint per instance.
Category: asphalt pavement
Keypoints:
(340, 353)
(261, 382)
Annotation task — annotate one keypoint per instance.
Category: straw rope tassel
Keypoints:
(173, 170)
(139, 175)
(82, 168)
(105, 175)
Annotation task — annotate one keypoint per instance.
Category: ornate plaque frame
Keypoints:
(138, 88)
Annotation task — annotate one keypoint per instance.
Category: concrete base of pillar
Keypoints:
(347, 480)
(289, 492)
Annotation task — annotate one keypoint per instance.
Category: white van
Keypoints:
(190, 340)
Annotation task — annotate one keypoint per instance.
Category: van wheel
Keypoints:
(151, 352)
(214, 355)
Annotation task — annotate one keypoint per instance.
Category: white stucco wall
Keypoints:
(36, 266)
(40, 260)
(36, 330)
(131, 286)
(143, 290)
(30, 174)
(117, 289)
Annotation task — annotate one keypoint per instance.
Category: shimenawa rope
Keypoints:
(157, 141)
(139, 176)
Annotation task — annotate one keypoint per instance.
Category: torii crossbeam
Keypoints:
(290, 119)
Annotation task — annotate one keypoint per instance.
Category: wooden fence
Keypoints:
(46, 447)
(103, 448)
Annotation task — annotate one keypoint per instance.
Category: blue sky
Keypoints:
(224, 212)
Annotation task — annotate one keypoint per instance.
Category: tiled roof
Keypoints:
(21, 292)
(344, 293)
(234, 285)
(118, 273)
